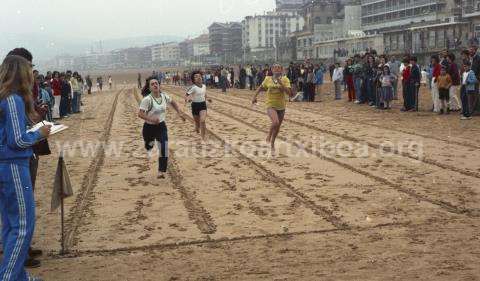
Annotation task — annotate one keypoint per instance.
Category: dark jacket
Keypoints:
(66, 89)
(415, 75)
(454, 73)
(476, 65)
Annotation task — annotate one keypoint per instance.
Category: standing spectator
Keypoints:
(66, 89)
(260, 76)
(100, 83)
(378, 83)
(110, 82)
(435, 73)
(319, 76)
(253, 84)
(301, 81)
(475, 60)
(47, 99)
(76, 89)
(469, 91)
(358, 73)
(454, 73)
(90, 84)
(406, 72)
(248, 72)
(348, 76)
(394, 67)
(310, 85)
(243, 77)
(337, 79)
(292, 76)
(70, 96)
(223, 79)
(232, 77)
(234, 74)
(413, 84)
(370, 78)
(331, 69)
(57, 92)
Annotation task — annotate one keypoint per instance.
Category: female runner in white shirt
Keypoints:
(153, 109)
(197, 95)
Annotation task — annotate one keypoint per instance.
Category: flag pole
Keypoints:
(63, 226)
(62, 213)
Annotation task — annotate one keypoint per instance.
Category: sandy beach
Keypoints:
(353, 194)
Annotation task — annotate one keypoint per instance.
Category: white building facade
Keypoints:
(165, 52)
(261, 33)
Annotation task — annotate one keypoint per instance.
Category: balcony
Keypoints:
(370, 11)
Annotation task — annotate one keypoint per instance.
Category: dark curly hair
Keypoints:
(146, 88)
(192, 76)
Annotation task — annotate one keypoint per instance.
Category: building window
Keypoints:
(387, 42)
(431, 38)
(440, 39)
(477, 31)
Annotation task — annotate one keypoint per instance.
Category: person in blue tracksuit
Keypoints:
(17, 206)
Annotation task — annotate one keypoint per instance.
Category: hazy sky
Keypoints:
(107, 19)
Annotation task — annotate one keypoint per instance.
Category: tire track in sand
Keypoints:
(83, 199)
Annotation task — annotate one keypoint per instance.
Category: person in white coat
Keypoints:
(337, 79)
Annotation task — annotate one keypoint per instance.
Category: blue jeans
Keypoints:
(63, 106)
(76, 102)
(223, 84)
(17, 208)
(370, 89)
(358, 89)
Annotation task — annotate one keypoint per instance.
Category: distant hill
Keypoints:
(46, 47)
(141, 41)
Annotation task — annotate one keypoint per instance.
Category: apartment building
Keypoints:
(225, 39)
(166, 52)
(378, 15)
(261, 34)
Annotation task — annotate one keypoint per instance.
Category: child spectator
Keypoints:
(387, 81)
(444, 82)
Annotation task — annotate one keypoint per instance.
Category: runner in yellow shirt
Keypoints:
(278, 88)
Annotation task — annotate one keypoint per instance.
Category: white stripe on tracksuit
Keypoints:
(23, 223)
(16, 125)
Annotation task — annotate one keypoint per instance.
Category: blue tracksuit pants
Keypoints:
(17, 208)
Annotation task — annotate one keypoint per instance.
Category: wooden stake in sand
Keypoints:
(62, 188)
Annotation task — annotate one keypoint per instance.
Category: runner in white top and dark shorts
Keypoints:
(197, 95)
(153, 109)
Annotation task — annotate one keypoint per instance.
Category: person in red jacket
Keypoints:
(57, 92)
(453, 71)
(405, 78)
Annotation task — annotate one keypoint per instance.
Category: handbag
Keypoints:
(42, 148)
